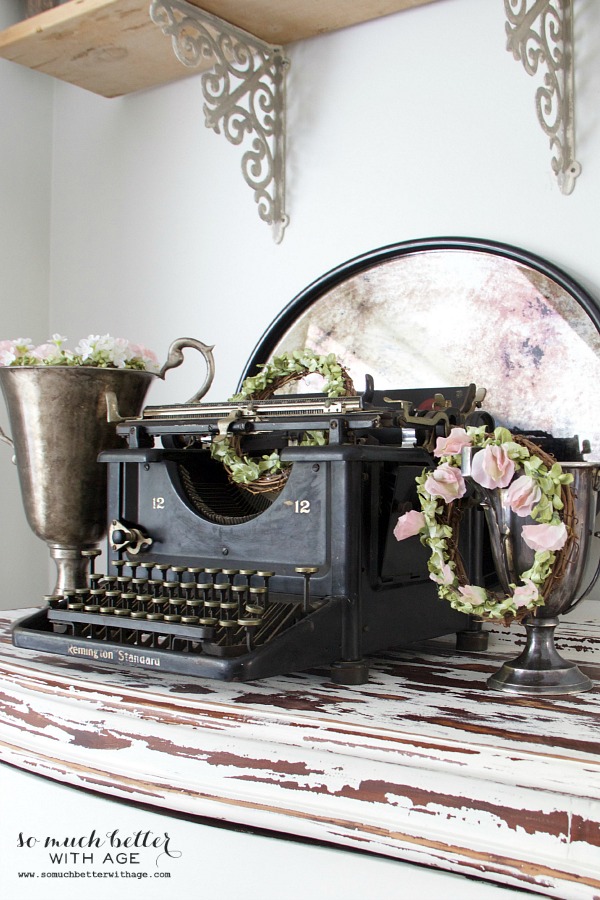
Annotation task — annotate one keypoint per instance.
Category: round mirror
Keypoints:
(447, 312)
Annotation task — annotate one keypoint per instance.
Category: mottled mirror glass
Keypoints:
(450, 316)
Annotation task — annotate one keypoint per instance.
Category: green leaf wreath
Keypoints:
(538, 492)
(281, 370)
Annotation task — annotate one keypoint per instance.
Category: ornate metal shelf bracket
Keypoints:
(540, 33)
(244, 94)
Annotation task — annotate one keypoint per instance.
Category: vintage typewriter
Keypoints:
(206, 578)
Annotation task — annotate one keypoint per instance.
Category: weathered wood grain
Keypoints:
(423, 763)
(112, 47)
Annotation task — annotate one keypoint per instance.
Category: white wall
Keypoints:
(25, 189)
(416, 125)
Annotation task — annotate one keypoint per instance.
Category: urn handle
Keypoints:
(10, 442)
(175, 358)
(6, 439)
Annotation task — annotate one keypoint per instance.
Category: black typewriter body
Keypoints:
(206, 578)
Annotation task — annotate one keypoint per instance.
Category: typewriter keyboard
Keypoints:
(191, 610)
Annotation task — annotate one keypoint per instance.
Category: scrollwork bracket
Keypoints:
(540, 34)
(244, 95)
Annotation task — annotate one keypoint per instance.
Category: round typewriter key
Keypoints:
(189, 620)
(154, 617)
(228, 605)
(249, 623)
(228, 623)
(207, 620)
(75, 607)
(138, 614)
(212, 571)
(121, 612)
(306, 570)
(265, 574)
(91, 608)
(128, 599)
(172, 617)
(91, 554)
(254, 610)
(247, 571)
(107, 610)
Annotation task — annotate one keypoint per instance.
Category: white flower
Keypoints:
(85, 347)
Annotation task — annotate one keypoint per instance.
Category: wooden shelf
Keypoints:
(111, 47)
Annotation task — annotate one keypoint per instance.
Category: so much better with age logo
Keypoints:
(116, 854)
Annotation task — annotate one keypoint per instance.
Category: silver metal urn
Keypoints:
(61, 417)
(540, 669)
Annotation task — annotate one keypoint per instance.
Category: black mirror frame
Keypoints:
(304, 300)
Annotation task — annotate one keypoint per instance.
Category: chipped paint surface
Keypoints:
(421, 764)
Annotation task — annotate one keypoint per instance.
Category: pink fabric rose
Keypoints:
(409, 524)
(446, 482)
(545, 537)
(446, 575)
(523, 495)
(525, 593)
(453, 444)
(473, 594)
(492, 467)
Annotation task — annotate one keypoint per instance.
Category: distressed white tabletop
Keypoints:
(423, 763)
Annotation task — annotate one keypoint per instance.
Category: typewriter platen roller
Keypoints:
(207, 578)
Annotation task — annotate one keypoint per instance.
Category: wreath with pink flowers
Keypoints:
(535, 486)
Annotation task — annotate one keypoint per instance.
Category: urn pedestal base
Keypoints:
(540, 669)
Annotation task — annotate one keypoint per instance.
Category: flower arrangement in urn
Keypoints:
(103, 351)
(62, 406)
(58, 401)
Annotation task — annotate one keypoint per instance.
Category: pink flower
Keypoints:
(409, 524)
(453, 444)
(523, 495)
(492, 467)
(472, 593)
(525, 593)
(446, 482)
(46, 352)
(545, 537)
(446, 576)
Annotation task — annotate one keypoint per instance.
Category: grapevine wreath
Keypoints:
(267, 473)
(534, 485)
